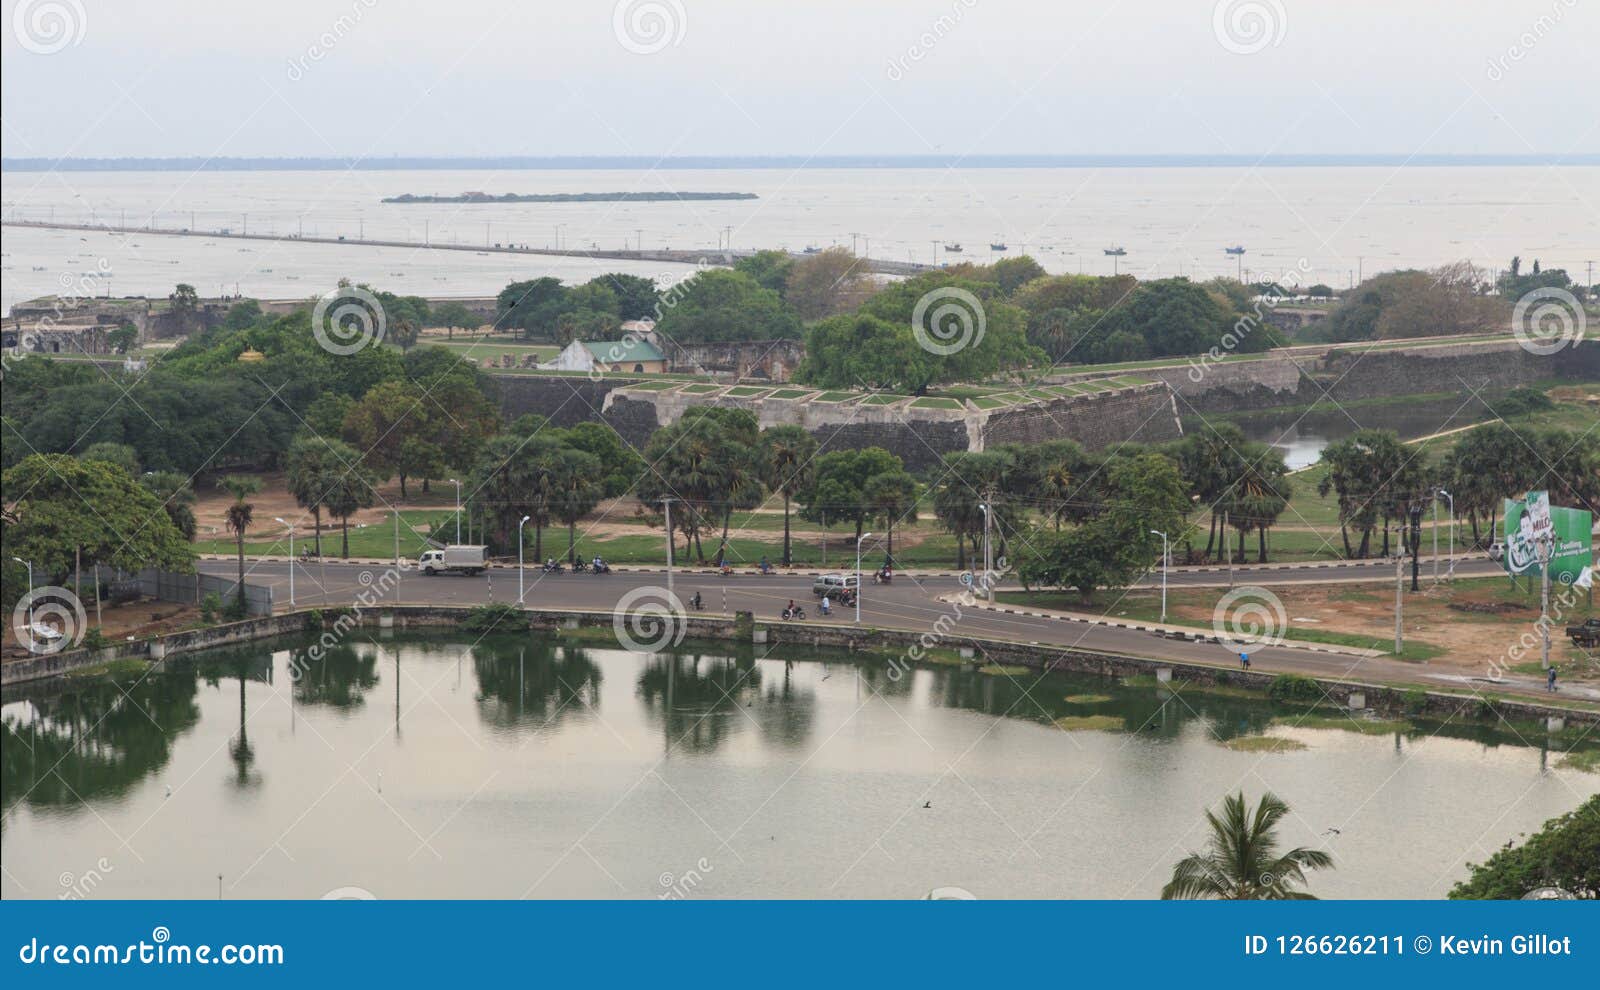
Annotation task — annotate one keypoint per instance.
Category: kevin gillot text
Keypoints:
(1521, 945)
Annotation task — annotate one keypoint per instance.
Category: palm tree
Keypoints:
(789, 453)
(1242, 863)
(239, 516)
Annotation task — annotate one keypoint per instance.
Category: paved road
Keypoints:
(910, 603)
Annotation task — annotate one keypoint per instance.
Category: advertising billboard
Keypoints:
(1535, 522)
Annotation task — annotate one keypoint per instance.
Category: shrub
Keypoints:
(94, 639)
(501, 616)
(1293, 687)
(210, 605)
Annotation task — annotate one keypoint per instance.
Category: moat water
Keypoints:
(1303, 434)
(519, 767)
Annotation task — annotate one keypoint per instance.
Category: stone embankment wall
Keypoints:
(873, 642)
(1350, 373)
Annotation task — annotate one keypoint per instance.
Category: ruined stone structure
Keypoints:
(766, 360)
(919, 431)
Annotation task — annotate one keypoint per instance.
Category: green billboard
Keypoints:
(1532, 523)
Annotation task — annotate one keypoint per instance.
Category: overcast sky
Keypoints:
(495, 77)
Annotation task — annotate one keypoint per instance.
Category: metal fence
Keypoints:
(188, 589)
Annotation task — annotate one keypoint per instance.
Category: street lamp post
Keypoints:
(291, 558)
(29, 566)
(988, 568)
(521, 524)
(860, 541)
(1451, 572)
(1157, 532)
(458, 508)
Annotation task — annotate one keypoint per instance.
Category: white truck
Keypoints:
(454, 559)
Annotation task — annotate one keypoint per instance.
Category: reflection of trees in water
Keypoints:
(702, 701)
(533, 683)
(245, 667)
(340, 678)
(93, 741)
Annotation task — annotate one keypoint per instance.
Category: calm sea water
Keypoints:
(1326, 223)
(517, 767)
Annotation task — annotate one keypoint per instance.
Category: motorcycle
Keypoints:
(308, 553)
(696, 604)
(600, 568)
(579, 566)
(797, 613)
(552, 567)
(882, 577)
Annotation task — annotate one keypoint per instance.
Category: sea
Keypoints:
(1332, 224)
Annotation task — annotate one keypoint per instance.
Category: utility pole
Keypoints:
(1415, 539)
(1399, 601)
(1435, 501)
(988, 564)
(666, 504)
(1546, 552)
(935, 253)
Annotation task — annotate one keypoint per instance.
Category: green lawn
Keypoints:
(375, 540)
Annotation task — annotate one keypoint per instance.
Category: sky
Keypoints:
(373, 78)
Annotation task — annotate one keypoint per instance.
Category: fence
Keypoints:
(188, 589)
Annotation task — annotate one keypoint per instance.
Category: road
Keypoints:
(911, 603)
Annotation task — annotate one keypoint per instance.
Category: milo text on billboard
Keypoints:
(1535, 523)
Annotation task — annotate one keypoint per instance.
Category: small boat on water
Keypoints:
(811, 249)
(998, 246)
(953, 248)
(1116, 252)
(1236, 249)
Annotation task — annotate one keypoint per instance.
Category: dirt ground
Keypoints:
(274, 500)
(1471, 639)
(137, 620)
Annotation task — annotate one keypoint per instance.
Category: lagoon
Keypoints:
(517, 766)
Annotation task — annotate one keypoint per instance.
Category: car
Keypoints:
(833, 584)
(1586, 633)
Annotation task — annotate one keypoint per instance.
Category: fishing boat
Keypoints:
(1116, 252)
(1236, 249)
(997, 246)
(811, 249)
(953, 248)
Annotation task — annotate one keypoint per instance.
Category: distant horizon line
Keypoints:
(265, 163)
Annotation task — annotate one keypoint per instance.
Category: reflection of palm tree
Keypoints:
(1241, 863)
(535, 685)
(239, 748)
(340, 678)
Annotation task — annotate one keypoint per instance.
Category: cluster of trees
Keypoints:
(1514, 283)
(713, 462)
(548, 476)
(1377, 479)
(199, 409)
(1449, 300)
(547, 309)
(1564, 853)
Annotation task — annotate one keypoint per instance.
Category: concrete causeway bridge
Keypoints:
(716, 257)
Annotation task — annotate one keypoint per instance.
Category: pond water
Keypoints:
(1303, 434)
(522, 767)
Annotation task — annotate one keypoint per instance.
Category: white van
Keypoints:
(832, 584)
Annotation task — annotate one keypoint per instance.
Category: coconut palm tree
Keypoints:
(239, 516)
(788, 453)
(1241, 862)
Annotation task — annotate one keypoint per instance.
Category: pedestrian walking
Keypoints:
(1550, 679)
(1244, 661)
